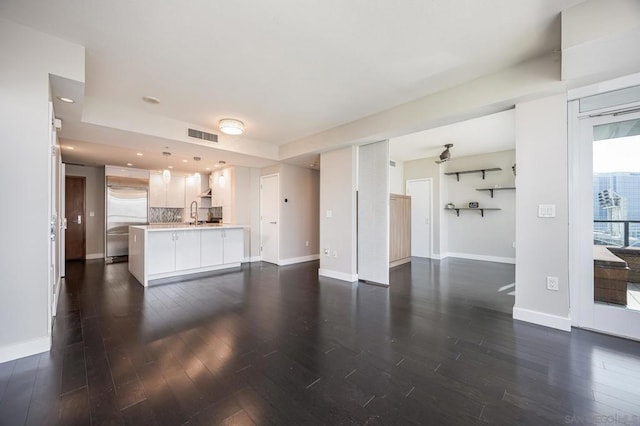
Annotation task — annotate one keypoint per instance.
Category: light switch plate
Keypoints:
(546, 210)
(329, 213)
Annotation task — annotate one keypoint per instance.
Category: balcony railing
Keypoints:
(617, 233)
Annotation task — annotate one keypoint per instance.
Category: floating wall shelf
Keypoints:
(463, 172)
(496, 189)
(480, 209)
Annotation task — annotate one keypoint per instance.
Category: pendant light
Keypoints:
(222, 179)
(196, 176)
(166, 174)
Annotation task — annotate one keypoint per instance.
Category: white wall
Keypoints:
(338, 195)
(470, 235)
(299, 215)
(373, 212)
(28, 59)
(396, 178)
(542, 243)
(599, 41)
(94, 202)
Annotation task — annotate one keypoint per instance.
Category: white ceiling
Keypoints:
(287, 68)
(491, 133)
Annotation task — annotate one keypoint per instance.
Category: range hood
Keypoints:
(206, 193)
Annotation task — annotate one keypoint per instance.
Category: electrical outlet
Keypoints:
(553, 283)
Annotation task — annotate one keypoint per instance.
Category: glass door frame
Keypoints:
(585, 312)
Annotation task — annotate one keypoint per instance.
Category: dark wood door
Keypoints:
(74, 240)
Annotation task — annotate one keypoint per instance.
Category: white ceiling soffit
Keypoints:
(491, 133)
(287, 68)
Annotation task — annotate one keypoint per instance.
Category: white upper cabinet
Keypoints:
(166, 195)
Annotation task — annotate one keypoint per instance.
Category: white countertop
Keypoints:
(185, 226)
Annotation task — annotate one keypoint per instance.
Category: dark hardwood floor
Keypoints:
(270, 345)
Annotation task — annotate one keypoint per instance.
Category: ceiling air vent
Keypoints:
(199, 134)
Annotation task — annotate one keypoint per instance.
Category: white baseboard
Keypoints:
(293, 260)
(255, 259)
(338, 275)
(94, 256)
(540, 318)
(437, 256)
(27, 348)
(484, 258)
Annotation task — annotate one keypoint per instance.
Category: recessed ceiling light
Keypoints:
(67, 100)
(171, 167)
(208, 168)
(69, 147)
(151, 100)
(139, 154)
(184, 161)
(129, 164)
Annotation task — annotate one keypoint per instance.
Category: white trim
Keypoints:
(437, 256)
(26, 348)
(541, 318)
(254, 259)
(187, 272)
(430, 182)
(56, 298)
(94, 256)
(604, 86)
(276, 175)
(337, 275)
(482, 257)
(292, 260)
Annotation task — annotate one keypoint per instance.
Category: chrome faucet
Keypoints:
(194, 212)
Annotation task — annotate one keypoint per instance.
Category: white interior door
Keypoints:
(587, 313)
(269, 218)
(420, 192)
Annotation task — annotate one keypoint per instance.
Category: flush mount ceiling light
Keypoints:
(446, 154)
(166, 174)
(151, 100)
(231, 126)
(67, 100)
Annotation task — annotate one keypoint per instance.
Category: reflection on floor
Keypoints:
(633, 296)
(279, 345)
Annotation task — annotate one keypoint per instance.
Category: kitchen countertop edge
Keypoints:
(184, 227)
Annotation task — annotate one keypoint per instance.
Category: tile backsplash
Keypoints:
(164, 215)
(168, 215)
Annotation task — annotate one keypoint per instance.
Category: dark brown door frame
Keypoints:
(70, 220)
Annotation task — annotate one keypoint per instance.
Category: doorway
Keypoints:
(75, 235)
(604, 220)
(269, 218)
(420, 192)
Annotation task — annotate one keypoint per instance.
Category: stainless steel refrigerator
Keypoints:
(127, 202)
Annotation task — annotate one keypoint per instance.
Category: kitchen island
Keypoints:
(168, 250)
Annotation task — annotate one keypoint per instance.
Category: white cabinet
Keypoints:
(233, 242)
(172, 251)
(192, 192)
(166, 195)
(222, 246)
(211, 247)
(157, 190)
(187, 249)
(161, 252)
(175, 192)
